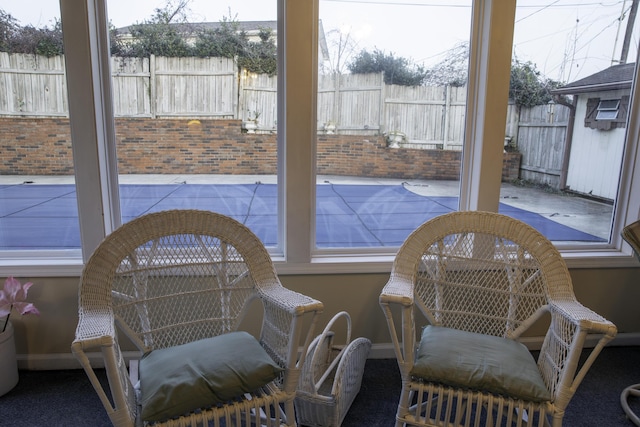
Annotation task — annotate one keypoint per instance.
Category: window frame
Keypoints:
(594, 121)
(605, 111)
(92, 121)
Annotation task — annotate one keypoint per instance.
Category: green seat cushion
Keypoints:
(479, 362)
(200, 374)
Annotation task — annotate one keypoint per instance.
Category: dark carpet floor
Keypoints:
(65, 398)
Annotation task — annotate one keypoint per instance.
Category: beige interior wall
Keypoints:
(613, 293)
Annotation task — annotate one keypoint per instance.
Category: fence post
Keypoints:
(337, 110)
(241, 95)
(153, 107)
(445, 118)
(383, 95)
(237, 81)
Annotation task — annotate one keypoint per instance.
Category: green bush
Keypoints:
(396, 70)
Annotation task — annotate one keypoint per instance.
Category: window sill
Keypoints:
(41, 267)
(71, 266)
(343, 264)
(599, 259)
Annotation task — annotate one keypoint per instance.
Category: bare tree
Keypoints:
(452, 70)
(164, 34)
(342, 47)
(175, 11)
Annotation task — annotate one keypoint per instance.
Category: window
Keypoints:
(607, 114)
(608, 109)
(195, 127)
(390, 135)
(36, 164)
(573, 145)
(479, 185)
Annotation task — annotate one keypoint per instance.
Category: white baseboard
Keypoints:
(59, 361)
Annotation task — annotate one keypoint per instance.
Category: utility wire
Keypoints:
(390, 3)
(537, 11)
(553, 5)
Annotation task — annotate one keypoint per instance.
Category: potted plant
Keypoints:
(251, 124)
(330, 127)
(12, 296)
(394, 138)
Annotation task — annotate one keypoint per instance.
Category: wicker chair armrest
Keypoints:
(396, 295)
(96, 332)
(96, 328)
(398, 290)
(288, 328)
(290, 301)
(583, 317)
(559, 360)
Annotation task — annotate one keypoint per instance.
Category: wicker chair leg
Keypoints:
(404, 405)
(288, 415)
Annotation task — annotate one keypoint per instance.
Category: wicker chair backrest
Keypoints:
(178, 276)
(481, 272)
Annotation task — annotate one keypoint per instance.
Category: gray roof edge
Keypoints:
(618, 76)
(592, 88)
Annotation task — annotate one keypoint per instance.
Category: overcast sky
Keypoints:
(566, 39)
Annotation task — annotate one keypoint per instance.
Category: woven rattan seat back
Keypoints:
(179, 276)
(481, 273)
(488, 274)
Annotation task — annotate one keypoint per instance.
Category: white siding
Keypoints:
(596, 155)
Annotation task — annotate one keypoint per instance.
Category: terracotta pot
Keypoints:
(8, 361)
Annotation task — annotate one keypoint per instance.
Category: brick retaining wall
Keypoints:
(42, 146)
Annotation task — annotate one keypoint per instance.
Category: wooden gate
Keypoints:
(541, 139)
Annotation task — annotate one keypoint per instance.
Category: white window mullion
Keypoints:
(297, 83)
(488, 93)
(88, 76)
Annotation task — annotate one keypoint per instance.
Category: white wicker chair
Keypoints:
(174, 277)
(489, 274)
(631, 234)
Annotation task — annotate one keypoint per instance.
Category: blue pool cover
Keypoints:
(46, 216)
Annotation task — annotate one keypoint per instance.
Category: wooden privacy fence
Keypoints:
(157, 87)
(428, 116)
(541, 138)
(175, 87)
(32, 86)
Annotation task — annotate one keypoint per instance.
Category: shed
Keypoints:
(596, 132)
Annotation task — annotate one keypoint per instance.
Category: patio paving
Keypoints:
(42, 213)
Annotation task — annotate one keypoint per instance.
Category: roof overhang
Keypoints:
(592, 88)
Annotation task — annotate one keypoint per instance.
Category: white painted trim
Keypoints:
(91, 121)
(60, 361)
(299, 83)
(487, 98)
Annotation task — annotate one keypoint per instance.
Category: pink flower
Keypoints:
(12, 296)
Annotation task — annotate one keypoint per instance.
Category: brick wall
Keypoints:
(35, 146)
(192, 147)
